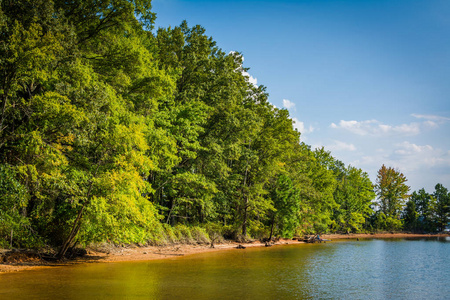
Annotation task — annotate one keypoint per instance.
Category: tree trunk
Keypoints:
(245, 197)
(172, 204)
(271, 229)
(244, 223)
(4, 100)
(75, 228)
(76, 225)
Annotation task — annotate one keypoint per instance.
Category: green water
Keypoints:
(369, 269)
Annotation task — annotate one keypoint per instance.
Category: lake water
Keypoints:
(350, 269)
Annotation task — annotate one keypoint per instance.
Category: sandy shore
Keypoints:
(134, 253)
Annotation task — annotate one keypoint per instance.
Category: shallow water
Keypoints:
(366, 269)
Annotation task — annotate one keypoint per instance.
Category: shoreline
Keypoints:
(383, 235)
(135, 253)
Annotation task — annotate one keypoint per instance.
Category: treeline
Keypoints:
(418, 212)
(426, 212)
(112, 131)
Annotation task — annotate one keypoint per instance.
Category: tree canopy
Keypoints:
(110, 131)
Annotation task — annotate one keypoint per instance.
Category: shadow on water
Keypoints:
(369, 269)
(444, 239)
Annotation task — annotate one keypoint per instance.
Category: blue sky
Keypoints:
(368, 80)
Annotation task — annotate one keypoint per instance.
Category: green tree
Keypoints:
(425, 206)
(107, 130)
(15, 228)
(316, 183)
(354, 195)
(285, 217)
(392, 192)
(75, 120)
(442, 210)
(190, 56)
(411, 216)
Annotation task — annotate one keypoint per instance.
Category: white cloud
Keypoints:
(300, 126)
(374, 127)
(417, 157)
(288, 104)
(419, 163)
(408, 129)
(431, 124)
(340, 146)
(407, 148)
(431, 117)
(360, 128)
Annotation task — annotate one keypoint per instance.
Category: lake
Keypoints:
(341, 269)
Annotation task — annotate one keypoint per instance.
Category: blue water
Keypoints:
(366, 269)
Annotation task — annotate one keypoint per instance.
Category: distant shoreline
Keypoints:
(382, 235)
(134, 253)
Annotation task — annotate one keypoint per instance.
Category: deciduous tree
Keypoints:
(392, 193)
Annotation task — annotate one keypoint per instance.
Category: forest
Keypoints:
(114, 131)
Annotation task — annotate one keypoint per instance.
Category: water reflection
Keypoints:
(371, 269)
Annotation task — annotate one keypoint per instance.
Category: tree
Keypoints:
(354, 194)
(15, 229)
(424, 204)
(442, 211)
(285, 217)
(199, 68)
(74, 125)
(392, 192)
(107, 130)
(316, 183)
(411, 216)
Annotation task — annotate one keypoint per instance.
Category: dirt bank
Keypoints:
(133, 253)
(128, 253)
